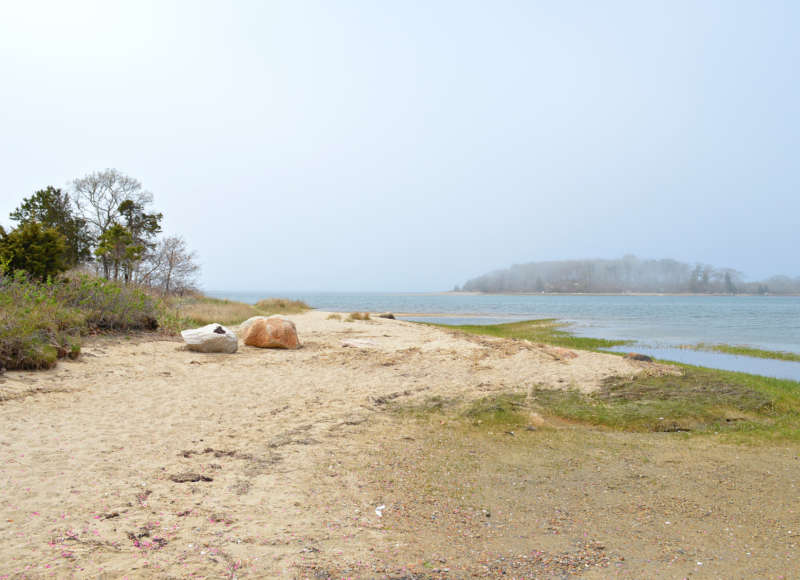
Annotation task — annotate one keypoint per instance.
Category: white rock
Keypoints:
(211, 338)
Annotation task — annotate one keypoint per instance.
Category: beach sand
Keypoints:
(143, 459)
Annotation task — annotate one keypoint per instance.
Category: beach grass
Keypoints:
(353, 316)
(282, 306)
(743, 350)
(545, 330)
(201, 310)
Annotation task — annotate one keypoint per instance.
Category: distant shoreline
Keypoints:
(471, 293)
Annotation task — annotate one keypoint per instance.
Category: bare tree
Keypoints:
(172, 267)
(98, 197)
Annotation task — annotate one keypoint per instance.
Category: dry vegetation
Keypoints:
(353, 316)
(201, 310)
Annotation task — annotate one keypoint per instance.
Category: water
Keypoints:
(656, 324)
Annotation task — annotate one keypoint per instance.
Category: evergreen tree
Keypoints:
(39, 251)
(52, 208)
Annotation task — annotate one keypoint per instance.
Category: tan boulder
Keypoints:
(270, 332)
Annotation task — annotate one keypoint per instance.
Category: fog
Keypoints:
(628, 274)
(414, 145)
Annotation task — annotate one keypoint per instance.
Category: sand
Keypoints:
(142, 459)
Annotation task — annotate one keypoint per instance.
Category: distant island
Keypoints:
(628, 274)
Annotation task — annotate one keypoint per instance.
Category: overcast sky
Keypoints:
(402, 145)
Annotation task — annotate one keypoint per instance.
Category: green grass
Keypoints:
(546, 330)
(746, 351)
(701, 400)
(738, 406)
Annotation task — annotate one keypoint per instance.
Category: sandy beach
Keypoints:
(142, 459)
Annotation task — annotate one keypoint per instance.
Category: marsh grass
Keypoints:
(700, 401)
(545, 330)
(745, 351)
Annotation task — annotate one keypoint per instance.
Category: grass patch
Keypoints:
(202, 310)
(701, 401)
(334, 316)
(353, 316)
(282, 306)
(545, 330)
(745, 351)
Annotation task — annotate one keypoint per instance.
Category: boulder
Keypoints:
(270, 332)
(211, 338)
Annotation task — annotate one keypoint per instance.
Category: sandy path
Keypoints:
(87, 449)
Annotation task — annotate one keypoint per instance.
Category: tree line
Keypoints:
(107, 225)
(628, 274)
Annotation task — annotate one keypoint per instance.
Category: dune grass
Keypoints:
(202, 310)
(353, 316)
(545, 330)
(745, 351)
(282, 306)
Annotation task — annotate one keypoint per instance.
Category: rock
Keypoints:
(388, 315)
(270, 332)
(211, 338)
(637, 356)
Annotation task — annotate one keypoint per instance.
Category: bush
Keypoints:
(41, 252)
(41, 322)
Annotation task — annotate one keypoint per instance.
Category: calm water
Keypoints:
(657, 324)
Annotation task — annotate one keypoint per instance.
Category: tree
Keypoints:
(98, 197)
(37, 250)
(119, 251)
(172, 267)
(52, 208)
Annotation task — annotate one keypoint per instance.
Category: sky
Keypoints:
(408, 146)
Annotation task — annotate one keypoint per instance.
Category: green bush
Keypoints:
(41, 322)
(39, 251)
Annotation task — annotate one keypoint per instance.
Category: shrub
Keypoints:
(41, 252)
(358, 316)
(41, 322)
